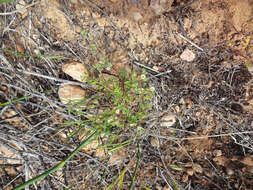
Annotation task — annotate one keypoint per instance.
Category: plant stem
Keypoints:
(61, 164)
(136, 167)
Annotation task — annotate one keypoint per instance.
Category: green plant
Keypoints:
(6, 1)
(120, 103)
(60, 165)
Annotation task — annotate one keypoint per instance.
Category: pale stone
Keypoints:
(20, 6)
(168, 120)
(154, 142)
(230, 171)
(188, 55)
(118, 156)
(69, 93)
(217, 152)
(75, 69)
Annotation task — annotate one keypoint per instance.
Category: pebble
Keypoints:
(187, 55)
(75, 69)
(154, 142)
(168, 120)
(69, 92)
(230, 171)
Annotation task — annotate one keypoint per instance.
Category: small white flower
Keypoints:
(143, 76)
(152, 89)
(117, 111)
(132, 124)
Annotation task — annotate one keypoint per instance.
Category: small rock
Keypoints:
(168, 120)
(217, 152)
(20, 6)
(154, 142)
(36, 51)
(158, 68)
(230, 171)
(187, 55)
(198, 114)
(75, 69)
(177, 108)
(118, 156)
(69, 92)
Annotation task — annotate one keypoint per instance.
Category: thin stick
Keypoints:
(201, 137)
(189, 41)
(18, 10)
(146, 67)
(47, 77)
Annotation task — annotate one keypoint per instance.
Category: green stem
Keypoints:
(136, 167)
(61, 164)
(15, 100)
(25, 97)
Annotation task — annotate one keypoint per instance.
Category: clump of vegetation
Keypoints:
(120, 102)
